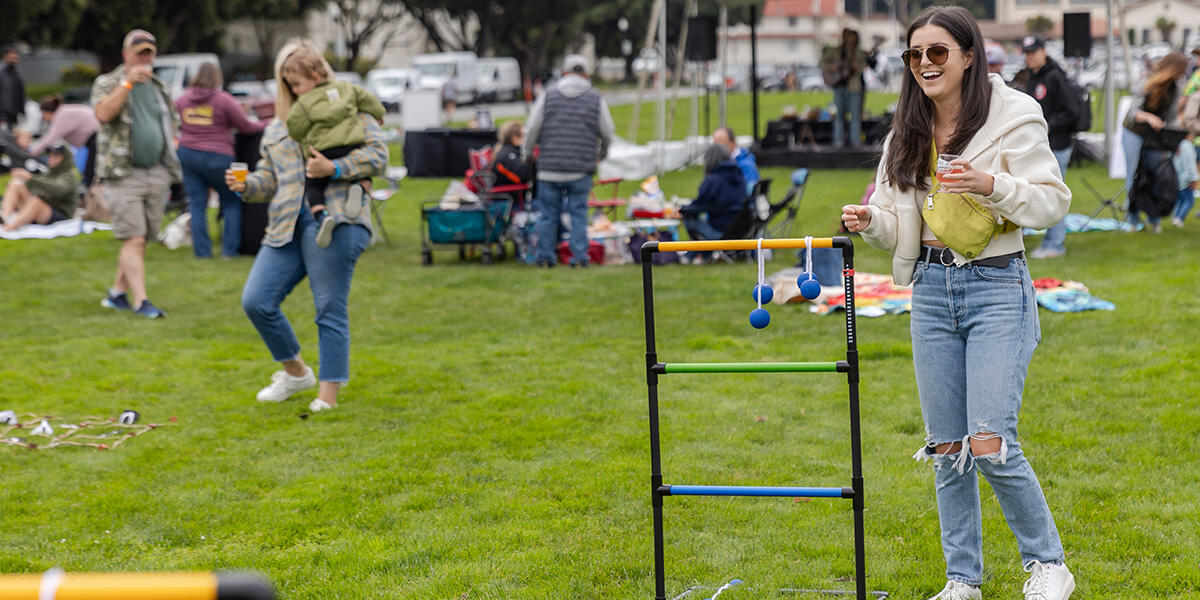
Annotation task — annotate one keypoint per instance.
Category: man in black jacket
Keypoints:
(1048, 85)
(12, 88)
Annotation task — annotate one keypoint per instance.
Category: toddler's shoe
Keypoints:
(325, 231)
(354, 201)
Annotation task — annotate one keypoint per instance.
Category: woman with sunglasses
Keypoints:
(974, 320)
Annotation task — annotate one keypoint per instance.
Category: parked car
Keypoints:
(809, 78)
(390, 85)
(349, 77)
(248, 93)
(437, 68)
(176, 70)
(499, 79)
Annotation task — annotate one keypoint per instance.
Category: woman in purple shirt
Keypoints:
(205, 150)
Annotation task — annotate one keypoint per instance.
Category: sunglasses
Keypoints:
(937, 55)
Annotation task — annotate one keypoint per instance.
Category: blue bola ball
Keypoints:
(810, 288)
(760, 318)
(762, 290)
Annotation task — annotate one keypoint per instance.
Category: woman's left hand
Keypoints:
(967, 180)
(317, 165)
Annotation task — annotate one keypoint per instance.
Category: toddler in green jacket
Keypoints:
(325, 117)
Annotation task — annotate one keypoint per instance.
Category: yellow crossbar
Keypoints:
(136, 586)
(773, 244)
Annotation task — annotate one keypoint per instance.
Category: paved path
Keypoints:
(509, 110)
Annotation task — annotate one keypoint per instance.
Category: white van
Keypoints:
(176, 70)
(389, 85)
(499, 79)
(435, 69)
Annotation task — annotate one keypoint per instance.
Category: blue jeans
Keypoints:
(974, 329)
(1131, 143)
(1056, 236)
(201, 171)
(699, 228)
(276, 272)
(849, 104)
(1184, 203)
(552, 198)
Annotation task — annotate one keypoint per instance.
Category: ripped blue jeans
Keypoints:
(974, 329)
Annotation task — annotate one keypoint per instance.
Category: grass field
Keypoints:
(493, 441)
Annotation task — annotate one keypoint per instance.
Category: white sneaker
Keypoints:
(283, 386)
(354, 201)
(1042, 252)
(1048, 582)
(956, 590)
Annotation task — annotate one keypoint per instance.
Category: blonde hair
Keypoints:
(507, 132)
(301, 56)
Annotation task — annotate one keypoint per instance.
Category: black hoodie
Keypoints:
(1059, 105)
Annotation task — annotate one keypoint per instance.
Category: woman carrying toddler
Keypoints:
(325, 118)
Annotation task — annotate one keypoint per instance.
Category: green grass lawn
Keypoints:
(493, 441)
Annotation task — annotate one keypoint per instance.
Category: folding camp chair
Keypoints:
(778, 226)
(1111, 203)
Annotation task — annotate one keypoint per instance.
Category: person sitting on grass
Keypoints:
(721, 197)
(42, 198)
(325, 120)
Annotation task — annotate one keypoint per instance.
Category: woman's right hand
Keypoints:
(856, 217)
(1153, 121)
(232, 183)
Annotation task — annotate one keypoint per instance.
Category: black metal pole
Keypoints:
(852, 376)
(660, 577)
(754, 70)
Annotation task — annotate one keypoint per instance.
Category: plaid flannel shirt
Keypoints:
(279, 179)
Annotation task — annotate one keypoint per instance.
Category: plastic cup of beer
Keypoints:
(240, 170)
(944, 166)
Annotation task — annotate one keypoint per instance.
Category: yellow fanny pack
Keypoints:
(959, 220)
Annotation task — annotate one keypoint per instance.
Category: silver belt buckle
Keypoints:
(942, 257)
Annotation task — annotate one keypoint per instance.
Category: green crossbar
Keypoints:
(766, 367)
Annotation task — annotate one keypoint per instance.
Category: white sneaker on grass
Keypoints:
(283, 386)
(957, 590)
(1048, 582)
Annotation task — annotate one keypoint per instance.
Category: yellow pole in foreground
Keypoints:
(56, 585)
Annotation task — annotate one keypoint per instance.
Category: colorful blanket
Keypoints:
(875, 295)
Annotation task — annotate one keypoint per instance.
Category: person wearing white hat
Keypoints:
(571, 124)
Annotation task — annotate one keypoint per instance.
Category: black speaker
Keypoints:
(1077, 34)
(701, 39)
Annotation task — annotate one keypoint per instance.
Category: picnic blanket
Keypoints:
(1067, 296)
(1077, 223)
(67, 228)
(875, 295)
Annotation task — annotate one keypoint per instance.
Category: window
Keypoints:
(792, 21)
(1145, 36)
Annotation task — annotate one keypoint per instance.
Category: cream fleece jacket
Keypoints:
(1013, 147)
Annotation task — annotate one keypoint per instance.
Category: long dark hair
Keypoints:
(907, 163)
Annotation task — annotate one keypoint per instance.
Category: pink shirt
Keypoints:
(207, 117)
(74, 123)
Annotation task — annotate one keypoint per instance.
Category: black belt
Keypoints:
(944, 257)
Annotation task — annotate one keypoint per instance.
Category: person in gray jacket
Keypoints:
(572, 125)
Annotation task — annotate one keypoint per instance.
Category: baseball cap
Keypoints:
(1031, 43)
(995, 54)
(575, 63)
(138, 40)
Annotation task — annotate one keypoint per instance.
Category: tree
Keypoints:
(1164, 26)
(360, 21)
(265, 17)
(42, 22)
(1039, 25)
(179, 25)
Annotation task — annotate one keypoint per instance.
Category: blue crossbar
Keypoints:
(753, 490)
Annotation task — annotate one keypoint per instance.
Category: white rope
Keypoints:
(51, 579)
(758, 292)
(808, 254)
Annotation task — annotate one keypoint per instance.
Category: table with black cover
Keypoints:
(443, 152)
